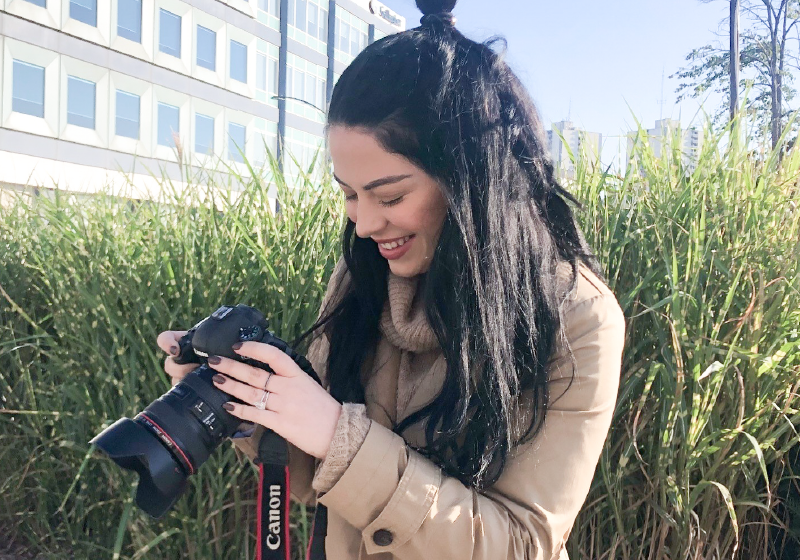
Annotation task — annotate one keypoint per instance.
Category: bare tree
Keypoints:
(767, 52)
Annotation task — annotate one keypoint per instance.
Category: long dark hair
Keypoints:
(455, 109)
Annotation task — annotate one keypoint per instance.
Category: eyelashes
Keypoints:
(392, 202)
(397, 200)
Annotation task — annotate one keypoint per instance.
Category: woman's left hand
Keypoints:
(298, 408)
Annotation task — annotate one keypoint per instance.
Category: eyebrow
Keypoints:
(377, 182)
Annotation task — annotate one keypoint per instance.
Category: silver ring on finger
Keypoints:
(262, 404)
(269, 375)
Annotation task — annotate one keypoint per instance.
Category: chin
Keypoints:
(404, 270)
(408, 270)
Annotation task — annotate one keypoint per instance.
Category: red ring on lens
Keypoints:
(186, 462)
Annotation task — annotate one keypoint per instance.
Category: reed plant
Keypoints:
(703, 258)
(87, 284)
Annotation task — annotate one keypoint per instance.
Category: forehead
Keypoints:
(358, 158)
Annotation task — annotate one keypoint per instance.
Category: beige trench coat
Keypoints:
(392, 503)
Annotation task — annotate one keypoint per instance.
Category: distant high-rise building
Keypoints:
(691, 140)
(578, 140)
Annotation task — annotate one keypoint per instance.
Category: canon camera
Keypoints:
(171, 438)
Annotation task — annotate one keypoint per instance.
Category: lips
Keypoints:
(397, 252)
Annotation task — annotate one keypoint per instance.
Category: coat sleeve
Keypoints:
(301, 464)
(404, 505)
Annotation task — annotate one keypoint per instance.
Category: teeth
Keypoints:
(395, 244)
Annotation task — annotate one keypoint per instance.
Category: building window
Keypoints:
(129, 20)
(351, 34)
(266, 138)
(203, 134)
(302, 147)
(305, 80)
(40, 3)
(269, 13)
(310, 18)
(84, 10)
(169, 35)
(266, 72)
(378, 35)
(238, 61)
(27, 94)
(236, 140)
(206, 48)
(270, 6)
(168, 124)
(80, 102)
(127, 121)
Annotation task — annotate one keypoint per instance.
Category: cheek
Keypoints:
(434, 215)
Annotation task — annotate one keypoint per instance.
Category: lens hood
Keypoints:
(133, 447)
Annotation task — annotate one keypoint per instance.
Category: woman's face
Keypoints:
(388, 198)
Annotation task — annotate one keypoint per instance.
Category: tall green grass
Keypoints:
(86, 287)
(704, 264)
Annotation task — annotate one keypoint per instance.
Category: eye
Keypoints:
(397, 200)
(351, 197)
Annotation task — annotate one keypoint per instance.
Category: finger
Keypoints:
(168, 341)
(177, 370)
(266, 418)
(278, 360)
(245, 373)
(245, 392)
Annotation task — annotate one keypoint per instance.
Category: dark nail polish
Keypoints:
(227, 406)
(214, 360)
(237, 346)
(174, 350)
(219, 379)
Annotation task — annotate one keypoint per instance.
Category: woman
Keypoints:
(470, 349)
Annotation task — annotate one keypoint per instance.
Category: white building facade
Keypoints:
(102, 91)
(577, 141)
(690, 140)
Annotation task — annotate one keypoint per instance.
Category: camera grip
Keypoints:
(186, 353)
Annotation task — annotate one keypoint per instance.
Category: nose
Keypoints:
(369, 220)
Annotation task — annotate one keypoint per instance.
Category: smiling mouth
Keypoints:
(395, 244)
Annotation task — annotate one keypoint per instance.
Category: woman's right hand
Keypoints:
(168, 342)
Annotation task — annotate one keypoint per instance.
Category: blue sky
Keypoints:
(600, 62)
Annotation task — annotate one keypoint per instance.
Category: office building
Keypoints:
(575, 140)
(99, 92)
(690, 140)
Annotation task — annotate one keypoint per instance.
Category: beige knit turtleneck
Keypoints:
(408, 355)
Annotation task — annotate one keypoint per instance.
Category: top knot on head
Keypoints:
(437, 13)
(444, 19)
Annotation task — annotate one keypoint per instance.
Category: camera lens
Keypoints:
(170, 439)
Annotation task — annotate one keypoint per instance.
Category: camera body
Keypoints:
(175, 434)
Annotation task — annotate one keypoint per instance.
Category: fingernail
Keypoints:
(228, 406)
(219, 379)
(214, 360)
(174, 350)
(237, 346)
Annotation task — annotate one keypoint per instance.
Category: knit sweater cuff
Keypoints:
(351, 431)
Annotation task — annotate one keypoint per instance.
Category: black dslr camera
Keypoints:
(171, 438)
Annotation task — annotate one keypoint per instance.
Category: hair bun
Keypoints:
(428, 7)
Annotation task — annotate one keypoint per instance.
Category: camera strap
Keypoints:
(272, 533)
(272, 542)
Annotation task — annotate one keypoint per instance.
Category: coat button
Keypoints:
(382, 537)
